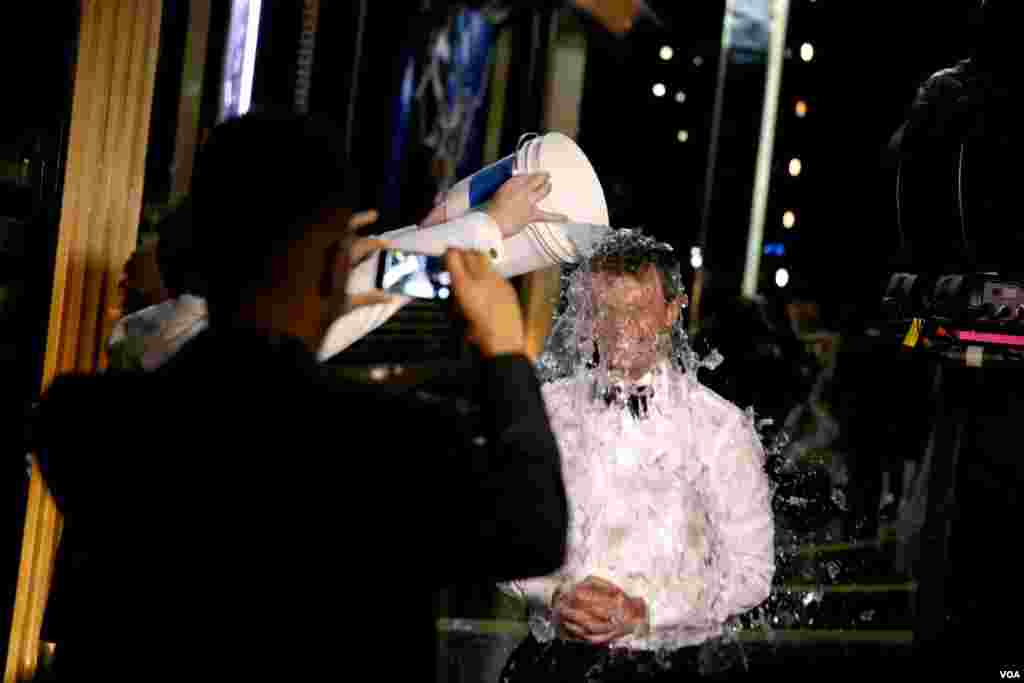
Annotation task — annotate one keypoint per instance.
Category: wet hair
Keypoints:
(569, 347)
(262, 181)
(632, 256)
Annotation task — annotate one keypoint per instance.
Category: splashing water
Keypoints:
(579, 349)
(573, 352)
(571, 346)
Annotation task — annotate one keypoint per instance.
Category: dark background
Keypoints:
(869, 59)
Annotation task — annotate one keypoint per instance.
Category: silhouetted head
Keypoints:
(271, 201)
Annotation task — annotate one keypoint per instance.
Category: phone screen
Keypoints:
(411, 274)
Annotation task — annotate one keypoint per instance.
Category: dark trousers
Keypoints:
(561, 661)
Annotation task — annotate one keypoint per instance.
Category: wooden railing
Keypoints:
(110, 116)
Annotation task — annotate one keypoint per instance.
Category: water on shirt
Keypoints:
(571, 353)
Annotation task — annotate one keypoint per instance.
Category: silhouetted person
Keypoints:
(956, 201)
(961, 211)
(247, 517)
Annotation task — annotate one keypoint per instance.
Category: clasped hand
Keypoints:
(598, 612)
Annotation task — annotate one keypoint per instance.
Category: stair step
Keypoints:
(512, 628)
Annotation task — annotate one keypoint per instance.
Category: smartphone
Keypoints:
(411, 274)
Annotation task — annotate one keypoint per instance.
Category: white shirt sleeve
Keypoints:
(740, 499)
(474, 230)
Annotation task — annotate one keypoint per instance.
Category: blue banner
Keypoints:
(472, 40)
(484, 184)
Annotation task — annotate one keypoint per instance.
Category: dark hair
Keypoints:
(634, 257)
(261, 181)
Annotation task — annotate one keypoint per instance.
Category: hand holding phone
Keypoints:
(488, 302)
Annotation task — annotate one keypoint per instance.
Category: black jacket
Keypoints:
(241, 516)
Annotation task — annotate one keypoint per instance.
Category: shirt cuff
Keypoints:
(538, 592)
(475, 231)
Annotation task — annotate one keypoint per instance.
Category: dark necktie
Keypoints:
(635, 400)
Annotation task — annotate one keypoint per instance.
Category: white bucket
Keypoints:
(576, 192)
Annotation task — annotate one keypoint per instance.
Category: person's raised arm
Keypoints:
(513, 206)
(515, 521)
(484, 229)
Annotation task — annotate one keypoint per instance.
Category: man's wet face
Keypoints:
(630, 313)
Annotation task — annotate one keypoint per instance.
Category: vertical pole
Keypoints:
(191, 97)
(712, 167)
(762, 181)
(563, 88)
(110, 116)
(498, 97)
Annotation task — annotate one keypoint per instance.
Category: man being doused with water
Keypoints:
(671, 522)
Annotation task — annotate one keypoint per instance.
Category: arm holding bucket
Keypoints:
(494, 228)
(514, 205)
(510, 210)
(475, 231)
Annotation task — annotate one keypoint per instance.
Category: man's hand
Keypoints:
(514, 205)
(362, 248)
(599, 612)
(362, 219)
(488, 303)
(342, 256)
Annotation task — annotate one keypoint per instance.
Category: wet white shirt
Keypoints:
(674, 508)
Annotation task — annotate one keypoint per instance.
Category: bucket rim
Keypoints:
(554, 241)
(547, 247)
(528, 154)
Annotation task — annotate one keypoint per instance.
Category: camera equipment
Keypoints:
(956, 310)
